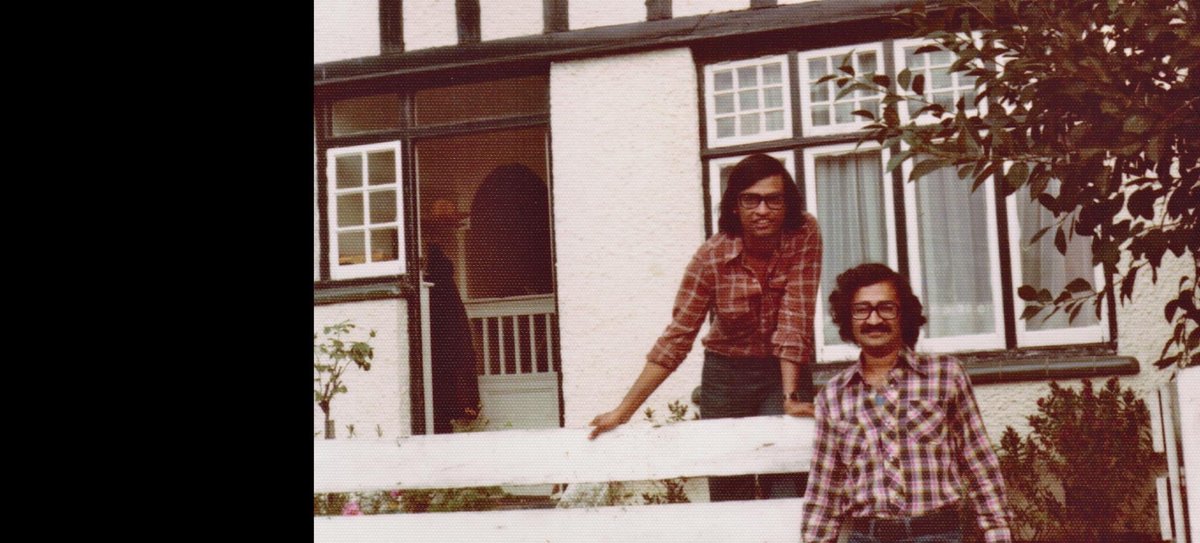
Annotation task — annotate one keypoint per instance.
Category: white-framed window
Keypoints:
(953, 260)
(822, 111)
(748, 101)
(941, 87)
(1041, 264)
(848, 192)
(718, 178)
(366, 212)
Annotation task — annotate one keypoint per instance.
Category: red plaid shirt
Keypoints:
(921, 448)
(751, 321)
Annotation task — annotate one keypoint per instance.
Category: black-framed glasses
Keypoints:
(750, 200)
(862, 311)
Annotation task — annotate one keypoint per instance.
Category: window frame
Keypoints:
(846, 351)
(901, 64)
(805, 87)
(337, 270)
(710, 105)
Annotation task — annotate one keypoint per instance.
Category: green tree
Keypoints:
(1095, 94)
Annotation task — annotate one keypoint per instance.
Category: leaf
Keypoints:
(897, 159)
(926, 166)
(918, 84)
(1027, 293)
(1074, 313)
(1128, 283)
(1016, 176)
(1039, 234)
(864, 114)
(1030, 312)
(1169, 310)
(1079, 285)
(1141, 204)
(1060, 242)
(904, 78)
(1136, 124)
(881, 80)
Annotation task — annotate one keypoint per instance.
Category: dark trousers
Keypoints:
(748, 387)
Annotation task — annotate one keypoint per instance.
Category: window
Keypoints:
(750, 101)
(822, 111)
(945, 237)
(366, 214)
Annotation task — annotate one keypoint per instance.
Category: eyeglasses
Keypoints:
(750, 200)
(862, 311)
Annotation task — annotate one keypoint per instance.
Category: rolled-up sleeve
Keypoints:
(691, 306)
(793, 337)
(979, 463)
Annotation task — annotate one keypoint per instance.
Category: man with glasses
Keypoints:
(758, 276)
(900, 446)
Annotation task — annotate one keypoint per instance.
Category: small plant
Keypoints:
(672, 490)
(331, 358)
(1085, 472)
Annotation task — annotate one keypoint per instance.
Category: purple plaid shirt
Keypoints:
(752, 320)
(918, 446)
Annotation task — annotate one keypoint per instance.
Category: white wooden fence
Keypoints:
(1175, 429)
(523, 457)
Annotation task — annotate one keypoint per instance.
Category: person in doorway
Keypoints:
(758, 276)
(899, 446)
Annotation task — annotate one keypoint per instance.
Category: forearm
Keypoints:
(647, 382)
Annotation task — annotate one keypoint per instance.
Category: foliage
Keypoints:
(1092, 93)
(1085, 472)
(672, 490)
(331, 358)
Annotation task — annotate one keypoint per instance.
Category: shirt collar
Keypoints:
(732, 246)
(907, 358)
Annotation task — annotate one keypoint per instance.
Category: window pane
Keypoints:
(385, 244)
(850, 208)
(349, 171)
(817, 68)
(955, 255)
(483, 100)
(747, 77)
(843, 112)
(774, 120)
(381, 168)
(940, 80)
(820, 115)
(866, 62)
(772, 74)
(351, 248)
(350, 210)
(1044, 267)
(724, 103)
(820, 93)
(747, 100)
(723, 80)
(750, 124)
(366, 114)
(773, 97)
(725, 127)
(383, 206)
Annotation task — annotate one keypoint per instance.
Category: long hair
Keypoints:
(865, 275)
(749, 171)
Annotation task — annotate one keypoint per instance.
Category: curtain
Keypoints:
(1043, 267)
(955, 257)
(851, 211)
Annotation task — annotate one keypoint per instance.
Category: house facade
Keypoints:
(567, 158)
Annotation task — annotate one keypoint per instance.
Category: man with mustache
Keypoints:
(758, 276)
(900, 446)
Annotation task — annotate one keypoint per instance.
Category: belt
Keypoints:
(896, 529)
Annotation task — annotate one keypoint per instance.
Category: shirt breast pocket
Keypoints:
(734, 318)
(924, 421)
(853, 442)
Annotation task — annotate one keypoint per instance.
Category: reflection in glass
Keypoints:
(750, 124)
(723, 80)
(352, 248)
(366, 114)
(385, 244)
(383, 206)
(747, 77)
(349, 171)
(381, 167)
(350, 210)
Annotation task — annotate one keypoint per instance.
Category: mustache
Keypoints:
(868, 328)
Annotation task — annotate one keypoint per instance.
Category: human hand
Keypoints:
(606, 422)
(798, 409)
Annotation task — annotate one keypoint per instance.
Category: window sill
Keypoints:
(1028, 364)
(361, 290)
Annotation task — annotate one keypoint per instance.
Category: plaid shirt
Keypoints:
(751, 321)
(906, 456)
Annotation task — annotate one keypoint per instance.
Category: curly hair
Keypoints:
(747, 172)
(865, 275)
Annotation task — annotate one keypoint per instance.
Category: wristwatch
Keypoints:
(793, 396)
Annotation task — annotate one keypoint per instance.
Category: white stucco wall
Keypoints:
(507, 18)
(429, 23)
(628, 215)
(379, 396)
(684, 8)
(589, 13)
(345, 29)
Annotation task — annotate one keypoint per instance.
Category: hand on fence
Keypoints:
(606, 422)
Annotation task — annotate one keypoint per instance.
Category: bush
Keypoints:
(1086, 471)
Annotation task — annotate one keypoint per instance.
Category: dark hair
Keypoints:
(865, 275)
(749, 171)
